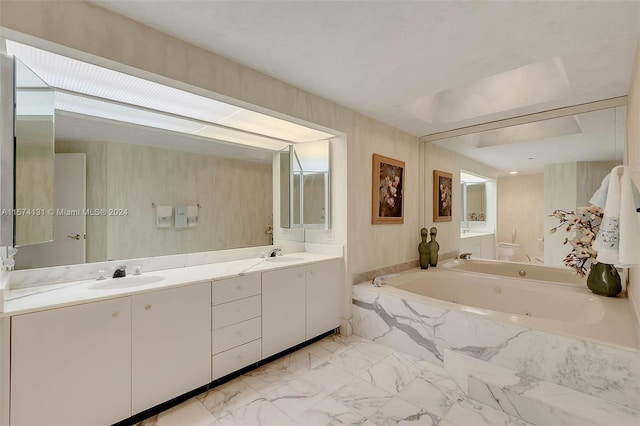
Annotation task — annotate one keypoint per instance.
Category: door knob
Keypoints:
(74, 237)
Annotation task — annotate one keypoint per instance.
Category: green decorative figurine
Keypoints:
(423, 249)
(433, 247)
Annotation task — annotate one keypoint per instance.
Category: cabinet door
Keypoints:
(323, 301)
(171, 344)
(283, 310)
(72, 366)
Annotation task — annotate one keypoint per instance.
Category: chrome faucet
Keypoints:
(274, 252)
(377, 281)
(465, 255)
(120, 272)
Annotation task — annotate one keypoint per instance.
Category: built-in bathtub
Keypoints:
(560, 333)
(515, 270)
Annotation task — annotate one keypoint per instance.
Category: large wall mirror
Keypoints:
(541, 166)
(130, 152)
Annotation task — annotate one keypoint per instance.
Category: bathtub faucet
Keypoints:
(465, 255)
(377, 281)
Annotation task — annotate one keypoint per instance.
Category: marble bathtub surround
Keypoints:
(317, 386)
(400, 267)
(426, 330)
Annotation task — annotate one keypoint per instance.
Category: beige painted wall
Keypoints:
(632, 155)
(116, 40)
(437, 158)
(521, 208)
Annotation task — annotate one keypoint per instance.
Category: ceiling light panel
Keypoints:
(83, 78)
(77, 76)
(112, 111)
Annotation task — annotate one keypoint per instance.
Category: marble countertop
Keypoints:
(31, 299)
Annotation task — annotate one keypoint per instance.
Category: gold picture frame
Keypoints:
(387, 184)
(442, 196)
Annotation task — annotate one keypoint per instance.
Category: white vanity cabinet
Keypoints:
(322, 297)
(283, 309)
(299, 304)
(170, 344)
(101, 362)
(236, 321)
(72, 366)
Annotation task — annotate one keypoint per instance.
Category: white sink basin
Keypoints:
(285, 258)
(126, 282)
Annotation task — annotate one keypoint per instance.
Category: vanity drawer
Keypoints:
(236, 335)
(236, 358)
(235, 288)
(230, 313)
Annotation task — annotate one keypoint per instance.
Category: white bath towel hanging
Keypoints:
(192, 216)
(629, 254)
(163, 216)
(618, 239)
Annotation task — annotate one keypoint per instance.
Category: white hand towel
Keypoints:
(629, 254)
(192, 216)
(607, 240)
(599, 198)
(163, 216)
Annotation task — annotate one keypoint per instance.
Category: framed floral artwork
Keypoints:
(387, 205)
(442, 196)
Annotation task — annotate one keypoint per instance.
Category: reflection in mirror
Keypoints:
(34, 164)
(313, 162)
(542, 166)
(146, 157)
(125, 180)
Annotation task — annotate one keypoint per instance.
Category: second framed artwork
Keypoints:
(387, 205)
(442, 196)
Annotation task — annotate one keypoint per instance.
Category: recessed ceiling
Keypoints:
(526, 148)
(420, 66)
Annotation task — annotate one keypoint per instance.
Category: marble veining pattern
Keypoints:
(306, 388)
(425, 331)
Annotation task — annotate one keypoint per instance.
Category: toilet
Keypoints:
(507, 251)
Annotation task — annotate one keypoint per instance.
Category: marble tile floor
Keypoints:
(337, 381)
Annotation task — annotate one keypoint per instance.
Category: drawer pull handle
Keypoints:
(240, 357)
(147, 307)
(115, 314)
(239, 333)
(239, 288)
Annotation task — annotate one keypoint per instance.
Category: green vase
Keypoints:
(423, 249)
(604, 280)
(433, 247)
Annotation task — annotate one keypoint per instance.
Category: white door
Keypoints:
(171, 344)
(69, 221)
(283, 310)
(72, 366)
